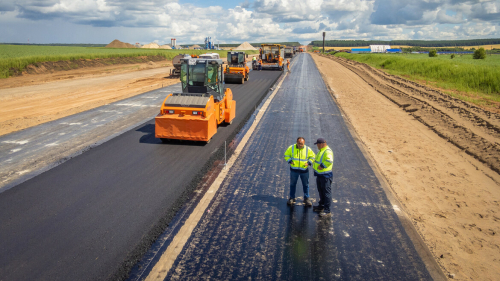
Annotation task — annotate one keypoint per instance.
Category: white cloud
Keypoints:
(260, 20)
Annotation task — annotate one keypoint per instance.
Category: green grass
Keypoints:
(20, 56)
(463, 74)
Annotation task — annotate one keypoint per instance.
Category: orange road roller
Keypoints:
(203, 104)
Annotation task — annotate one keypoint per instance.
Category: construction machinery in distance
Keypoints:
(289, 52)
(236, 70)
(176, 62)
(272, 56)
(203, 104)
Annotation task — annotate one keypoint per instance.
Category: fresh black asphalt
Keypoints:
(250, 233)
(91, 217)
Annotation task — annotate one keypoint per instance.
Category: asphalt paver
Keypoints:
(248, 231)
(86, 218)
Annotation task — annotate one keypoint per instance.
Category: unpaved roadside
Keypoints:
(33, 99)
(451, 195)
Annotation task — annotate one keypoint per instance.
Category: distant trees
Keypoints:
(396, 43)
(433, 53)
(479, 54)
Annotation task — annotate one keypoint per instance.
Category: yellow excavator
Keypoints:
(203, 104)
(272, 56)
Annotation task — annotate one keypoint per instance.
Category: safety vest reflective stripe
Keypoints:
(293, 153)
(325, 170)
(298, 158)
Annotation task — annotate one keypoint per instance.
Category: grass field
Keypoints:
(20, 56)
(476, 81)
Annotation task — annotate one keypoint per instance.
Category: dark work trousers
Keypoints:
(325, 192)
(294, 178)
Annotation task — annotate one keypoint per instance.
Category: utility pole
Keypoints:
(324, 42)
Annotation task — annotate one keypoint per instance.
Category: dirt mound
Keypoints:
(167, 47)
(245, 46)
(194, 47)
(151, 45)
(119, 44)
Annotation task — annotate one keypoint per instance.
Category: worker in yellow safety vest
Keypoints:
(323, 166)
(300, 157)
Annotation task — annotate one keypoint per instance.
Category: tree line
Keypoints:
(419, 43)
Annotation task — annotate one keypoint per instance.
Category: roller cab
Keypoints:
(203, 104)
(236, 70)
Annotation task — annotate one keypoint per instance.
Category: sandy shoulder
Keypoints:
(453, 200)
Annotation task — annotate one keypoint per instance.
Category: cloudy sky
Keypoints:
(190, 21)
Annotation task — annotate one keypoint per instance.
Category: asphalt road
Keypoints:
(249, 232)
(83, 219)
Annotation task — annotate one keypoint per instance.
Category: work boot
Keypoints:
(291, 201)
(325, 215)
(318, 209)
(307, 202)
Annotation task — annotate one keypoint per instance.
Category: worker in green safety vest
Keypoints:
(323, 166)
(300, 157)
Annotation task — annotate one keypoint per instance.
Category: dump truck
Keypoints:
(204, 103)
(236, 70)
(288, 52)
(272, 56)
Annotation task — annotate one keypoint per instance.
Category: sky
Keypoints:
(190, 21)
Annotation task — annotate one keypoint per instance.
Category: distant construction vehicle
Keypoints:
(272, 56)
(176, 62)
(289, 52)
(236, 70)
(203, 104)
(209, 56)
(301, 49)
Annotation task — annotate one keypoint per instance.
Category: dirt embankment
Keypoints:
(55, 66)
(440, 157)
(33, 99)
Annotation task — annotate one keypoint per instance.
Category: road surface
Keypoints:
(248, 232)
(84, 219)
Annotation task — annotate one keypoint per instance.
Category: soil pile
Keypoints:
(194, 47)
(119, 44)
(151, 45)
(166, 47)
(245, 46)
